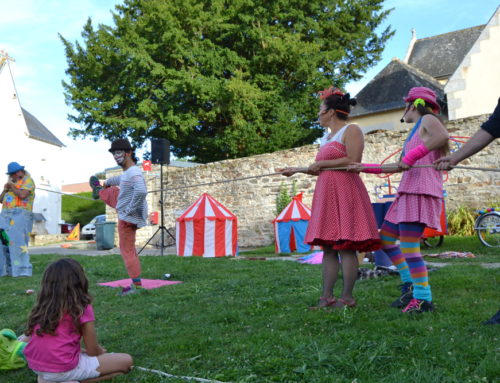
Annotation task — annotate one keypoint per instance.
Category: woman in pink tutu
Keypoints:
(418, 203)
(342, 218)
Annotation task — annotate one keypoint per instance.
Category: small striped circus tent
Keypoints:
(290, 227)
(206, 229)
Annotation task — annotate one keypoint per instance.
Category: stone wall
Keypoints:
(253, 200)
(45, 239)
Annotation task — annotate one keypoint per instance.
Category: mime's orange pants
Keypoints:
(126, 233)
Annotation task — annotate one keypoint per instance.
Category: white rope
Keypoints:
(179, 377)
(299, 170)
(296, 170)
(70, 195)
(217, 182)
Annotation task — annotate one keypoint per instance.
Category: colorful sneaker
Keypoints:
(96, 186)
(406, 295)
(130, 290)
(418, 306)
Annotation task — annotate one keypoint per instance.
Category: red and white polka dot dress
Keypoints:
(342, 215)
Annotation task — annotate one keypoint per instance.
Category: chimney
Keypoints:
(410, 47)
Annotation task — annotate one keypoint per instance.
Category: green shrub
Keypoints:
(495, 202)
(461, 222)
(82, 211)
(282, 198)
(70, 203)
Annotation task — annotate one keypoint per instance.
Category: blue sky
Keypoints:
(29, 33)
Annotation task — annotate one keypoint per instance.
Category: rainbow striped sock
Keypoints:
(410, 246)
(137, 282)
(389, 233)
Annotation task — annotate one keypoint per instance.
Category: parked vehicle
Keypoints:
(88, 230)
(67, 228)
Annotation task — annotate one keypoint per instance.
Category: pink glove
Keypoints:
(415, 154)
(374, 171)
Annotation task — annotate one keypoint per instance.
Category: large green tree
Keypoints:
(218, 78)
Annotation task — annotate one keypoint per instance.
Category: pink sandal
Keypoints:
(329, 302)
(349, 305)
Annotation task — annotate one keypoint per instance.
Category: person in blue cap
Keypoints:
(19, 191)
(16, 221)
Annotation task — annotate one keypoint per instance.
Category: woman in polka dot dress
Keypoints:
(418, 203)
(342, 218)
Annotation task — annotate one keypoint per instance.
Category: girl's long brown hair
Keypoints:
(65, 289)
(423, 110)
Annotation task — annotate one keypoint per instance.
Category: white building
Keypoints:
(460, 66)
(27, 141)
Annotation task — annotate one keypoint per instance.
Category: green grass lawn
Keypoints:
(247, 321)
(463, 244)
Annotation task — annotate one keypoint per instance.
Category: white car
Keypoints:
(88, 230)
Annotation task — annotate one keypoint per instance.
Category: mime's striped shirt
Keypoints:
(131, 206)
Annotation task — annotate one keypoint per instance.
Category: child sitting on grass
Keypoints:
(61, 317)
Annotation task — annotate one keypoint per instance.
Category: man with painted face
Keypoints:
(130, 202)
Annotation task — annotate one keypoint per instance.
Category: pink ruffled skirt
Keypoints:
(421, 208)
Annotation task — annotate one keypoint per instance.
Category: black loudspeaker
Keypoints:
(160, 151)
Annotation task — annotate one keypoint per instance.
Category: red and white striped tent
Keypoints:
(290, 227)
(206, 229)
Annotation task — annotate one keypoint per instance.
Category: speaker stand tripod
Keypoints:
(162, 227)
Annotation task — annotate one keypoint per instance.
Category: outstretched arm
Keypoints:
(113, 181)
(288, 172)
(479, 141)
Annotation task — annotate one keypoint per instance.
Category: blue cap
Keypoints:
(13, 168)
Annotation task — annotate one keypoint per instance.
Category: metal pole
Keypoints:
(161, 196)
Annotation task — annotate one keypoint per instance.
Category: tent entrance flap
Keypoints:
(299, 229)
(293, 245)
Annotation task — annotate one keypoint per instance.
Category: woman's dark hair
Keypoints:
(427, 109)
(65, 289)
(340, 104)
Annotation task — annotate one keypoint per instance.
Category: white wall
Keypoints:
(387, 120)
(42, 165)
(39, 158)
(474, 88)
